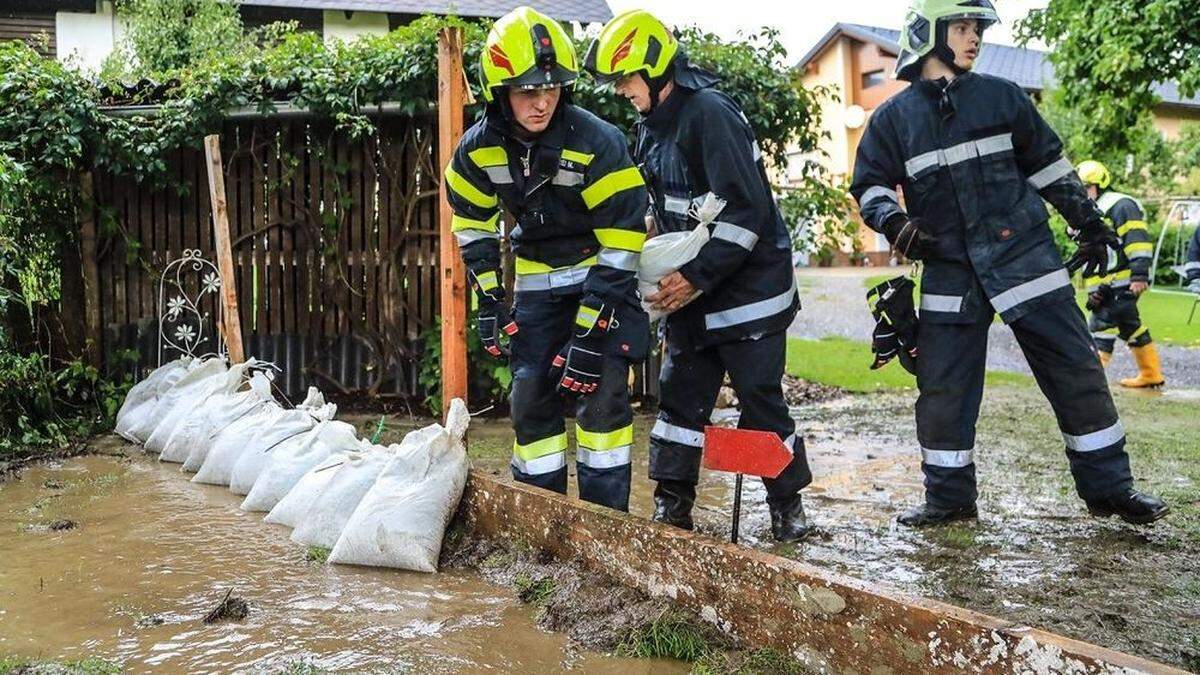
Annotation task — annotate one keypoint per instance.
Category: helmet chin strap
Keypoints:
(656, 86)
(942, 50)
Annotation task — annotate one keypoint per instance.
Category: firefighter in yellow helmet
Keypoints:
(1113, 297)
(696, 148)
(577, 205)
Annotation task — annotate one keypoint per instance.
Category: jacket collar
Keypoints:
(545, 150)
(664, 114)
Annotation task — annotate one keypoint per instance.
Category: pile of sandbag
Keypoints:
(370, 504)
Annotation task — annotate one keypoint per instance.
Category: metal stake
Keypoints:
(737, 508)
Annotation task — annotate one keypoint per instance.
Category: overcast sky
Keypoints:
(802, 23)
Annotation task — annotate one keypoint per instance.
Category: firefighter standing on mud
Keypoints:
(976, 160)
(1113, 297)
(694, 140)
(566, 179)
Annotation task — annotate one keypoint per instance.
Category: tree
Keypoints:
(163, 37)
(1107, 55)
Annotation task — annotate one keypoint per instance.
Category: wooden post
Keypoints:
(232, 323)
(91, 272)
(451, 96)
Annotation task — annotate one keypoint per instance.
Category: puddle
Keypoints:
(152, 553)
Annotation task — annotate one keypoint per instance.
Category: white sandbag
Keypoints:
(196, 432)
(143, 396)
(195, 380)
(249, 465)
(402, 519)
(666, 253)
(245, 419)
(192, 400)
(258, 432)
(292, 507)
(322, 523)
(286, 467)
(662, 255)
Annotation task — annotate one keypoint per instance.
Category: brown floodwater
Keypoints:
(152, 553)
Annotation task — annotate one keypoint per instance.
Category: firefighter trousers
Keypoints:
(688, 388)
(604, 418)
(1118, 318)
(1059, 349)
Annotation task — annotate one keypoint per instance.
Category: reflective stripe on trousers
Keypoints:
(951, 459)
(1097, 440)
(676, 434)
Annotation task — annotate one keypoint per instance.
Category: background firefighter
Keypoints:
(1112, 297)
(693, 140)
(578, 203)
(976, 160)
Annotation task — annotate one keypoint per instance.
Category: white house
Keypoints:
(85, 32)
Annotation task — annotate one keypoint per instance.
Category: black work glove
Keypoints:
(1099, 297)
(908, 237)
(577, 367)
(895, 333)
(493, 321)
(1094, 242)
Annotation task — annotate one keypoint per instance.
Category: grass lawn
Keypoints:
(1165, 312)
(846, 363)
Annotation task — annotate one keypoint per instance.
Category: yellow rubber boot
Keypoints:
(1149, 368)
(1105, 357)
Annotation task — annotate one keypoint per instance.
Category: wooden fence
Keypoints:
(335, 247)
(335, 244)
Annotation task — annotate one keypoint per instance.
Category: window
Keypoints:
(873, 78)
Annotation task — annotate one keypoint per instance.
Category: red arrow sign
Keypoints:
(754, 453)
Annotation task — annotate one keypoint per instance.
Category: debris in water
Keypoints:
(798, 392)
(62, 524)
(52, 484)
(233, 609)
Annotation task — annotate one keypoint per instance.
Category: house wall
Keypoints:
(348, 26)
(1169, 119)
(87, 38)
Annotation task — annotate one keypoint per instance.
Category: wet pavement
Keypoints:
(834, 303)
(152, 553)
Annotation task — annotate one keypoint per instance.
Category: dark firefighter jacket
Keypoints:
(695, 142)
(578, 205)
(975, 160)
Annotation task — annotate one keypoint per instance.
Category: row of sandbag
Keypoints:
(375, 505)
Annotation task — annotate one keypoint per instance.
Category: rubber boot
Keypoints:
(1149, 368)
(1105, 358)
(926, 515)
(673, 501)
(788, 522)
(1132, 506)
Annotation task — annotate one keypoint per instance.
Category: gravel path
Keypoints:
(834, 303)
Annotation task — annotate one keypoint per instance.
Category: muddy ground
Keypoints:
(1034, 556)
